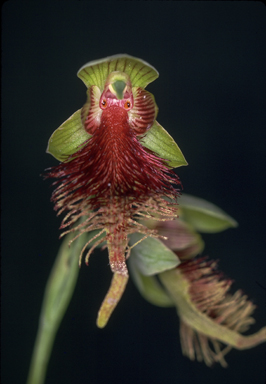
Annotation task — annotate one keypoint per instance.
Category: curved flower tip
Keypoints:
(112, 298)
(110, 180)
(211, 319)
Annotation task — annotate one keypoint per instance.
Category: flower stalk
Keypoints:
(58, 293)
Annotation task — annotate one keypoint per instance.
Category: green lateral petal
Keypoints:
(152, 256)
(140, 72)
(158, 140)
(204, 216)
(149, 287)
(68, 138)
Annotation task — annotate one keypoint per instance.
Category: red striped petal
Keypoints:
(91, 112)
(144, 111)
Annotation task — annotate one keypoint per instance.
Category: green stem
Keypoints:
(41, 354)
(58, 292)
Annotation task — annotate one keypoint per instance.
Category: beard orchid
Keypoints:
(116, 166)
(116, 187)
(213, 320)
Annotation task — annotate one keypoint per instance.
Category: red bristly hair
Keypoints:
(113, 180)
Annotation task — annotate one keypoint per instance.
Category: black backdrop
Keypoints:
(211, 94)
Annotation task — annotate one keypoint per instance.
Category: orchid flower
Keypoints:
(212, 319)
(116, 188)
(116, 165)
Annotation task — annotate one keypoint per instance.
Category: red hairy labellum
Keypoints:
(113, 179)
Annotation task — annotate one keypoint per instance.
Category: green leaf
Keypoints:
(158, 140)
(204, 216)
(96, 72)
(152, 256)
(149, 287)
(68, 138)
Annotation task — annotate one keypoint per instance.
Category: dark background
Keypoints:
(211, 93)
